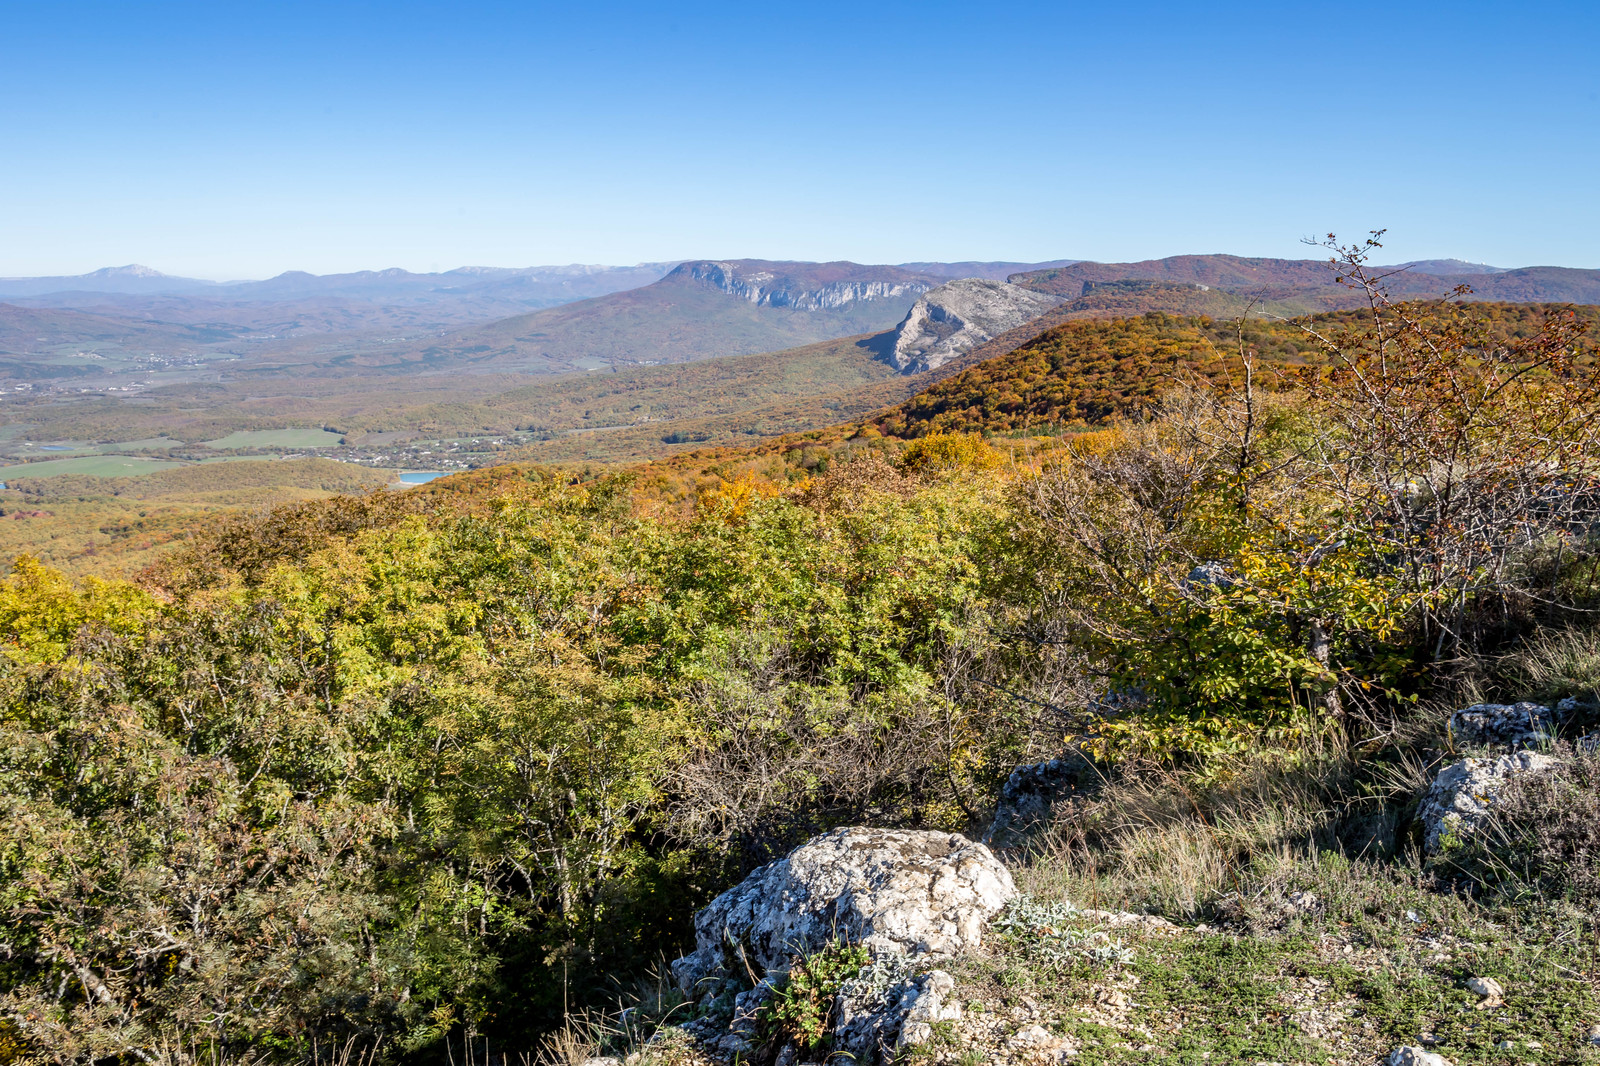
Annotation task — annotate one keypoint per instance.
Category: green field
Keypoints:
(67, 449)
(91, 465)
(277, 438)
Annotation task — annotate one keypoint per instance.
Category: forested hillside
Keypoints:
(1087, 373)
(380, 775)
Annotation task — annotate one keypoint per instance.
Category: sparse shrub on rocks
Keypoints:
(801, 1009)
(1542, 836)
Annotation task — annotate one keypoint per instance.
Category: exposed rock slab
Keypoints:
(1463, 794)
(960, 315)
(895, 891)
(1028, 797)
(1513, 726)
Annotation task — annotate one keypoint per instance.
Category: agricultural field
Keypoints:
(110, 466)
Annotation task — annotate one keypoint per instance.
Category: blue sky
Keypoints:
(232, 140)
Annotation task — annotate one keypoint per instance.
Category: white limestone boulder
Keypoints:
(896, 891)
(1463, 794)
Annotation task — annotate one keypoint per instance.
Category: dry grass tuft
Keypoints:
(1153, 841)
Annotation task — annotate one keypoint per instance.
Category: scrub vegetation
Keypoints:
(415, 770)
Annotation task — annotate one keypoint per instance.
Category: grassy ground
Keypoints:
(1318, 961)
(89, 465)
(1324, 961)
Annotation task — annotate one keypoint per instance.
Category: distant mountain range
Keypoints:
(298, 302)
(1300, 285)
(577, 318)
(575, 281)
(699, 310)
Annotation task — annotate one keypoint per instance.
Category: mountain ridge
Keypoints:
(1307, 285)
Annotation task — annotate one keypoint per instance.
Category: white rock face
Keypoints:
(1461, 797)
(1513, 726)
(960, 315)
(766, 289)
(895, 891)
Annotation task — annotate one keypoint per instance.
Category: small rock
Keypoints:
(1212, 574)
(914, 1033)
(734, 1045)
(1490, 989)
(1594, 1035)
(1034, 1034)
(1115, 998)
(1415, 1056)
(1028, 795)
(747, 1009)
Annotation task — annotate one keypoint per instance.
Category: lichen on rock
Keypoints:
(1463, 794)
(895, 891)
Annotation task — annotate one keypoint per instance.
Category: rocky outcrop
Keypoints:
(959, 316)
(1462, 796)
(895, 891)
(1513, 726)
(890, 1006)
(1029, 795)
(770, 288)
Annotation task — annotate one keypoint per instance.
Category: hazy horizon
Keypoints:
(1310, 254)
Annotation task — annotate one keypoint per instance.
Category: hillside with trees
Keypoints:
(370, 777)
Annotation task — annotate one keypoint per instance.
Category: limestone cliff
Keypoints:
(959, 316)
(805, 286)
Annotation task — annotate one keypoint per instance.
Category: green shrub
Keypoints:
(802, 1005)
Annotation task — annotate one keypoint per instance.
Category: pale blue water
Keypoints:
(420, 477)
(55, 447)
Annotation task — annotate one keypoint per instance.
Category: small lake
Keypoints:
(420, 477)
(57, 447)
